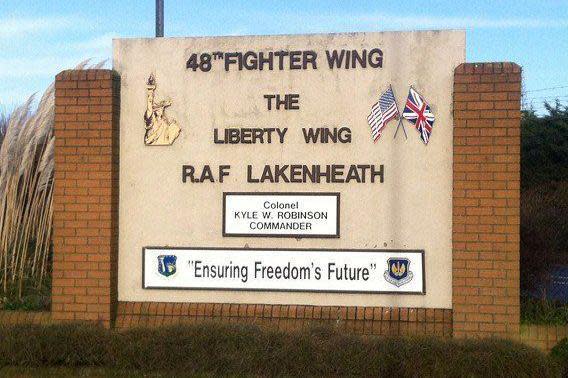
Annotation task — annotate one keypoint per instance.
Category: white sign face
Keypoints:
(281, 214)
(285, 270)
(204, 120)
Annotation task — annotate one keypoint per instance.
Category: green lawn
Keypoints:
(64, 372)
(16, 371)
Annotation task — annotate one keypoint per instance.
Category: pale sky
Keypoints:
(40, 38)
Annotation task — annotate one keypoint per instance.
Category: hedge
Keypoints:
(225, 349)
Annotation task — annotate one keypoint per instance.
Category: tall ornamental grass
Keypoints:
(26, 173)
(3, 126)
(26, 194)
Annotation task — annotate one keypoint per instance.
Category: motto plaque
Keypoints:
(303, 169)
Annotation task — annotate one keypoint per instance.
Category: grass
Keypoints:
(222, 349)
(48, 372)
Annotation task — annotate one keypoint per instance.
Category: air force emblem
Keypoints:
(167, 265)
(398, 271)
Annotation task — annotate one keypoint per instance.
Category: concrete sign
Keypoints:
(276, 146)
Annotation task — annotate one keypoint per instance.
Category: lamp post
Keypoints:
(159, 18)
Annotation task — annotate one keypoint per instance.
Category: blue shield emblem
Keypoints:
(167, 265)
(398, 271)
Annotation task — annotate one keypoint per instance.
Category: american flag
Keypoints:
(382, 112)
(417, 111)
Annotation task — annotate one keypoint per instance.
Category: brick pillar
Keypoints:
(486, 199)
(85, 219)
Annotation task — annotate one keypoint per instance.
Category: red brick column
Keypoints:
(486, 199)
(85, 219)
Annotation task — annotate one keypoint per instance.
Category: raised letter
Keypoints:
(187, 171)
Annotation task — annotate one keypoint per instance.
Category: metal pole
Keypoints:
(159, 18)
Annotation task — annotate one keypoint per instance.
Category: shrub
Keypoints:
(544, 232)
(34, 298)
(560, 355)
(544, 195)
(537, 311)
(223, 349)
(544, 150)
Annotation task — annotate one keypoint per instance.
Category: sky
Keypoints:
(39, 38)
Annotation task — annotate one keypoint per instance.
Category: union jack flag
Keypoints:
(382, 112)
(417, 111)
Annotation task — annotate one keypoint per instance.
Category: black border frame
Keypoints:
(299, 236)
(420, 251)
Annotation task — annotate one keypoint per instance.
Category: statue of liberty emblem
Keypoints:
(161, 130)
